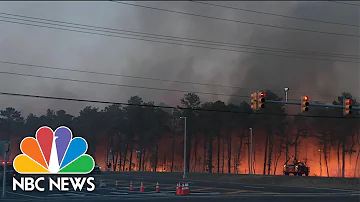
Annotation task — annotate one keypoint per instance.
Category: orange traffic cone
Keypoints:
(131, 186)
(186, 190)
(178, 191)
(142, 187)
(116, 185)
(182, 189)
(157, 188)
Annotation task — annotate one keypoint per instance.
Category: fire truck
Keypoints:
(296, 168)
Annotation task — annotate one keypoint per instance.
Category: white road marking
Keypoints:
(92, 194)
(211, 193)
(255, 187)
(119, 193)
(111, 189)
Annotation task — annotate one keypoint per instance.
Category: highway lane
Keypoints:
(125, 178)
(201, 191)
(258, 198)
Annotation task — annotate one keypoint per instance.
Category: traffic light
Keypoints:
(304, 103)
(254, 101)
(347, 106)
(7, 147)
(261, 100)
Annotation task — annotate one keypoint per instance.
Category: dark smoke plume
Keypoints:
(323, 80)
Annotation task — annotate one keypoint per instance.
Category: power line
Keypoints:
(339, 2)
(120, 85)
(273, 14)
(135, 77)
(166, 107)
(120, 75)
(173, 43)
(173, 37)
(237, 21)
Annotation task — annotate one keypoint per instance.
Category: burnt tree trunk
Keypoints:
(205, 150)
(188, 151)
(229, 153)
(131, 154)
(115, 160)
(139, 158)
(343, 156)
(172, 154)
(218, 152)
(325, 155)
(164, 164)
(156, 157)
(223, 155)
(143, 160)
(195, 151)
(121, 156)
(265, 153)
(125, 156)
(356, 165)
(271, 146)
(296, 146)
(239, 150)
(210, 154)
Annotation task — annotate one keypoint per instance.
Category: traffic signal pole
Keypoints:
(258, 100)
(283, 102)
(310, 104)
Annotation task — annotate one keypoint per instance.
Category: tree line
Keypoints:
(148, 137)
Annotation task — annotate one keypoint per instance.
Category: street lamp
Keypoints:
(184, 176)
(250, 152)
(286, 93)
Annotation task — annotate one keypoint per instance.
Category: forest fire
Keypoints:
(148, 138)
(308, 152)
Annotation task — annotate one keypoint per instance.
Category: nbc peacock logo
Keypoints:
(53, 152)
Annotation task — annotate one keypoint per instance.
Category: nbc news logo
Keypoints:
(54, 153)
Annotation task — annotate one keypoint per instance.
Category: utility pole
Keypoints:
(184, 175)
(250, 153)
(6, 150)
(320, 163)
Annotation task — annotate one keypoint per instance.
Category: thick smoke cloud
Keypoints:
(321, 79)
(121, 56)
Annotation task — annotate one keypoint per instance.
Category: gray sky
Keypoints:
(41, 46)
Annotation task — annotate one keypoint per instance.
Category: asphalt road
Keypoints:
(200, 191)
